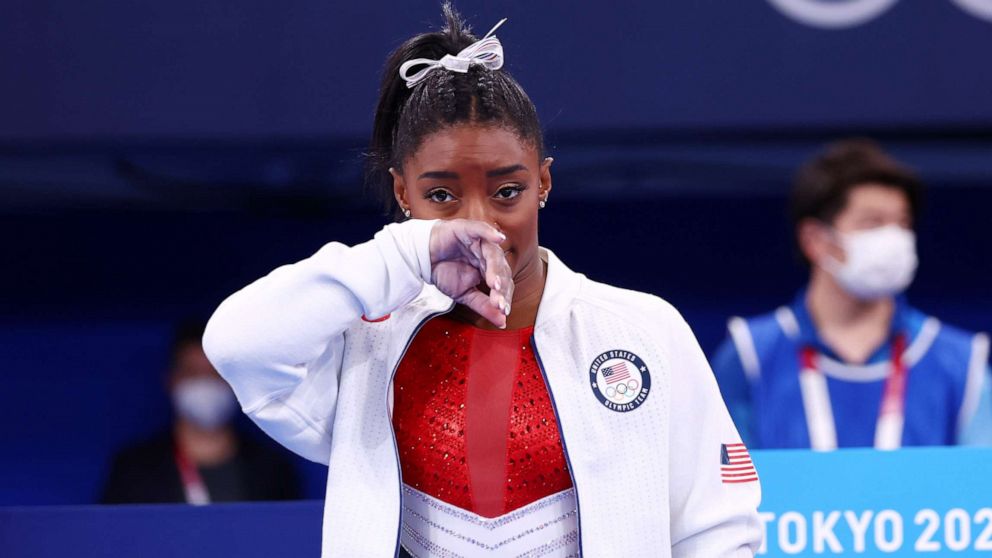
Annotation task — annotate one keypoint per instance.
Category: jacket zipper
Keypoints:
(396, 451)
(561, 432)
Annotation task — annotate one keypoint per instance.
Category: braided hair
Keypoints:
(405, 116)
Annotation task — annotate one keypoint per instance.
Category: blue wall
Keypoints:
(191, 69)
(154, 157)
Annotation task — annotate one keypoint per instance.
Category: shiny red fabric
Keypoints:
(473, 419)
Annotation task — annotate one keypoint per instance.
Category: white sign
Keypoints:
(845, 14)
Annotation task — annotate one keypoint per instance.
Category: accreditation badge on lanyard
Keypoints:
(819, 413)
(193, 486)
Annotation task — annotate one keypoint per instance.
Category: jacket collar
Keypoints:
(561, 286)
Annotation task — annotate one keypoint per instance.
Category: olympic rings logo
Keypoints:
(851, 13)
(620, 380)
(623, 391)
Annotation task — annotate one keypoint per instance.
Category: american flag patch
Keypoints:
(735, 464)
(615, 373)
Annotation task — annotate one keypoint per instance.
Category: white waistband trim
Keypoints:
(547, 528)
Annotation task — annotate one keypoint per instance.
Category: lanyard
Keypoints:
(193, 486)
(819, 413)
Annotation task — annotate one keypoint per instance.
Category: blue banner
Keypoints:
(932, 501)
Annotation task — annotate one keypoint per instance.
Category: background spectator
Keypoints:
(203, 458)
(849, 362)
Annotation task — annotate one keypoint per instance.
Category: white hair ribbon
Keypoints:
(487, 51)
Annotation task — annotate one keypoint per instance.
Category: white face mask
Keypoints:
(881, 262)
(205, 402)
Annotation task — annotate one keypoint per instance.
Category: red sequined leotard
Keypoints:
(474, 423)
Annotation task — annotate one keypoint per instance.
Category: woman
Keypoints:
(471, 395)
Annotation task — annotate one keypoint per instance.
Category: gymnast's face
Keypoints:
(483, 173)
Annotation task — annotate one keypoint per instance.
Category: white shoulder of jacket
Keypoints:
(647, 311)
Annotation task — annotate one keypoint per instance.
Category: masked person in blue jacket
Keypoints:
(849, 363)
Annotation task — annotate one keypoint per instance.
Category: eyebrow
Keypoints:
(449, 175)
(503, 171)
(439, 175)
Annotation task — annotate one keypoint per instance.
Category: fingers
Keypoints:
(470, 233)
(476, 244)
(461, 238)
(498, 277)
(460, 281)
(483, 231)
(481, 305)
(483, 242)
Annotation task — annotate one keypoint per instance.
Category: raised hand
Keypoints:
(466, 254)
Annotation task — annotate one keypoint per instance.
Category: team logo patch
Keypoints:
(620, 380)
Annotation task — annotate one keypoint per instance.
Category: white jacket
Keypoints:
(316, 376)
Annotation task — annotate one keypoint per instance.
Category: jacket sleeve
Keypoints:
(708, 517)
(279, 341)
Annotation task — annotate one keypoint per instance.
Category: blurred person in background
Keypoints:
(849, 363)
(203, 458)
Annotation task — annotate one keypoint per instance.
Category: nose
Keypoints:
(477, 208)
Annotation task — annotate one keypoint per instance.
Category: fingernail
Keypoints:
(502, 236)
(496, 284)
(507, 310)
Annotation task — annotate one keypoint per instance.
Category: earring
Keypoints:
(406, 213)
(542, 203)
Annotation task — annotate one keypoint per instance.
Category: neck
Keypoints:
(851, 326)
(203, 446)
(527, 292)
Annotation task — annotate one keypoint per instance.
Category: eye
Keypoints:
(872, 222)
(439, 195)
(509, 191)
